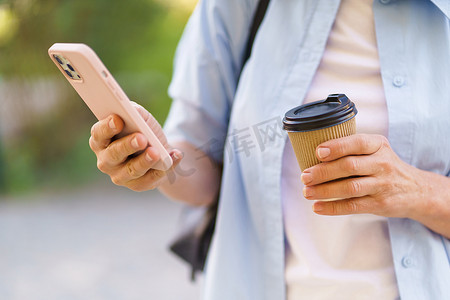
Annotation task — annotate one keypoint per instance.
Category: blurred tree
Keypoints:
(2, 172)
(113, 28)
(135, 39)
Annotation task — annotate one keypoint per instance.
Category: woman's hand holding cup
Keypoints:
(367, 175)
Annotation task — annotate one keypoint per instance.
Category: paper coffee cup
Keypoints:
(311, 124)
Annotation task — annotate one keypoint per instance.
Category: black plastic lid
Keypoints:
(334, 110)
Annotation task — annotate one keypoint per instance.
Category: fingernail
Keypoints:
(134, 143)
(323, 152)
(177, 155)
(148, 158)
(318, 207)
(306, 178)
(307, 192)
(111, 124)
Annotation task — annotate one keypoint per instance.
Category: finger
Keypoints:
(136, 167)
(153, 178)
(119, 151)
(345, 188)
(145, 114)
(103, 131)
(362, 205)
(340, 168)
(356, 144)
(152, 123)
(177, 156)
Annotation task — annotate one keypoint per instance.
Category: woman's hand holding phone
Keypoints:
(123, 152)
(116, 157)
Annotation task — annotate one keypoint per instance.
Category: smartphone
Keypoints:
(99, 90)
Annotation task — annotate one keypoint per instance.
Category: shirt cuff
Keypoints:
(189, 123)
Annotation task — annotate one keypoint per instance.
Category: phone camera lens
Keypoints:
(71, 68)
(58, 59)
(68, 73)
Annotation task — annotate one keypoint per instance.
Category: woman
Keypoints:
(389, 237)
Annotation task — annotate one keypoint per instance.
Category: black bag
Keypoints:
(192, 244)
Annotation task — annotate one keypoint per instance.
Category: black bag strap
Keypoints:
(257, 19)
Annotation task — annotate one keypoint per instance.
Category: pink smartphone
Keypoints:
(102, 94)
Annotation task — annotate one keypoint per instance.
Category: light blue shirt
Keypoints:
(240, 126)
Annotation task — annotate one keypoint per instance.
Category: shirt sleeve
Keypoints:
(206, 69)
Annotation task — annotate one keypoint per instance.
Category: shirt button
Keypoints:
(385, 1)
(407, 262)
(306, 56)
(398, 81)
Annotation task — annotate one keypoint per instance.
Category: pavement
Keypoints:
(101, 242)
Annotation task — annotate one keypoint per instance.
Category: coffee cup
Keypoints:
(311, 124)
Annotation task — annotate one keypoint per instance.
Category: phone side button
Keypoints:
(118, 96)
(110, 85)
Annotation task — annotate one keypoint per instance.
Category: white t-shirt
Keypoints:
(340, 257)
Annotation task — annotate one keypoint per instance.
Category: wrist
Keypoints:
(423, 197)
(432, 207)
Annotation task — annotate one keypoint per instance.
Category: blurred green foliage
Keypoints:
(136, 39)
